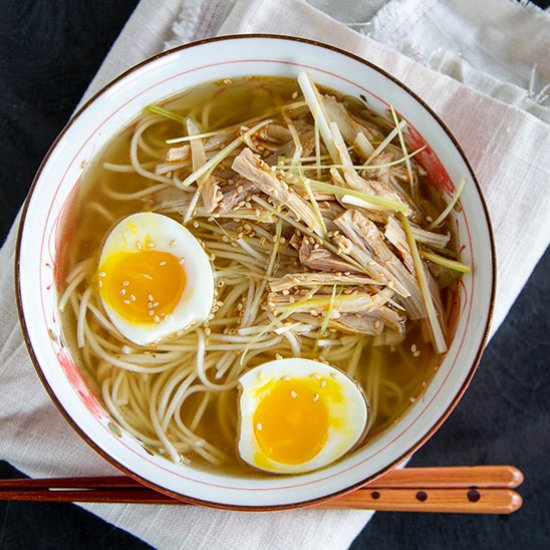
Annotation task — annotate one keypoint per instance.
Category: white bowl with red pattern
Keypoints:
(110, 111)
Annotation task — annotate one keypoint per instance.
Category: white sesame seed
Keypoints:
(416, 353)
(156, 318)
(132, 298)
(156, 304)
(126, 301)
(163, 315)
(126, 349)
(278, 356)
(99, 284)
(123, 292)
(316, 397)
(199, 443)
(162, 263)
(125, 283)
(172, 242)
(102, 274)
(150, 244)
(293, 394)
(150, 305)
(323, 383)
(139, 246)
(285, 378)
(182, 261)
(316, 376)
(413, 348)
(261, 375)
(259, 426)
(150, 297)
(150, 313)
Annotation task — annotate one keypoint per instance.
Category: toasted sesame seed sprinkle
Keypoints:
(172, 242)
(259, 426)
(125, 283)
(126, 301)
(123, 292)
(150, 297)
(132, 298)
(156, 318)
(102, 274)
(150, 305)
(293, 394)
(323, 383)
(413, 348)
(182, 261)
(316, 397)
(150, 313)
(162, 263)
(416, 353)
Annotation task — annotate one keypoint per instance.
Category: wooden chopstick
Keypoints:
(470, 489)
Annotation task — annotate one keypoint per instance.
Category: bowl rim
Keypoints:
(249, 508)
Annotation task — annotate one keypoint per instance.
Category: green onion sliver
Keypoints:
(446, 262)
(437, 333)
(450, 206)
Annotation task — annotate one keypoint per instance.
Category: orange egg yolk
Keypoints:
(143, 286)
(291, 422)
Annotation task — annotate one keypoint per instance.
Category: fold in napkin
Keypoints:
(504, 140)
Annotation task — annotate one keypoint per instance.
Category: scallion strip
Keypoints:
(450, 206)
(437, 333)
(338, 191)
(161, 111)
(221, 155)
(445, 262)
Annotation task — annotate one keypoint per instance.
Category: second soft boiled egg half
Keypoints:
(298, 415)
(154, 278)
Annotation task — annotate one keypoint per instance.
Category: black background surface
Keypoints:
(49, 52)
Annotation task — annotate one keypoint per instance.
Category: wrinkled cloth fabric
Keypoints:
(497, 112)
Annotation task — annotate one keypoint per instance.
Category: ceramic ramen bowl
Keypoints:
(109, 112)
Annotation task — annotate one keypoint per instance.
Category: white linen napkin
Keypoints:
(507, 146)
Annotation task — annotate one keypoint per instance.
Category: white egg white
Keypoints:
(169, 236)
(352, 413)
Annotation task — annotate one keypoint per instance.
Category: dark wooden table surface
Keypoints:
(49, 52)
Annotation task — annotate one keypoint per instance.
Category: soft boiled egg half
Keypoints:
(298, 415)
(154, 278)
